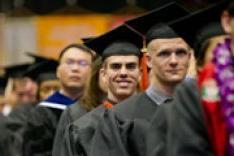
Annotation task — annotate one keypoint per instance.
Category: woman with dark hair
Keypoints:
(96, 89)
(94, 95)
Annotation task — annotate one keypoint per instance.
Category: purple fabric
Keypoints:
(224, 74)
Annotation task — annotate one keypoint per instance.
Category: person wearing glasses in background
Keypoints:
(74, 67)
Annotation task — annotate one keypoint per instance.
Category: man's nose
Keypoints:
(123, 70)
(75, 67)
(173, 58)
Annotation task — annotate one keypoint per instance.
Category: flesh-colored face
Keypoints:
(168, 60)
(122, 75)
(74, 68)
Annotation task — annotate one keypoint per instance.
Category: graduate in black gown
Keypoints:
(5, 135)
(127, 122)
(20, 88)
(17, 119)
(120, 49)
(141, 106)
(162, 84)
(170, 132)
(180, 128)
(72, 71)
(7, 141)
(43, 71)
(93, 96)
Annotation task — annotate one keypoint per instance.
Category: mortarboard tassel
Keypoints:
(143, 63)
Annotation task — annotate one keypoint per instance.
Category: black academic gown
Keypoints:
(71, 114)
(121, 130)
(115, 135)
(156, 134)
(41, 125)
(79, 134)
(7, 141)
(182, 131)
(139, 106)
(16, 124)
(83, 135)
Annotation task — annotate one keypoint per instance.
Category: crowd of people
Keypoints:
(91, 101)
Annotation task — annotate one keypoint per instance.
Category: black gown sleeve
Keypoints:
(178, 128)
(187, 134)
(116, 136)
(40, 131)
(71, 114)
(156, 134)
(79, 134)
(8, 142)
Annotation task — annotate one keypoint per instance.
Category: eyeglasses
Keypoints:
(81, 63)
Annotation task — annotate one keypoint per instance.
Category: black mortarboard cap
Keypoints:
(37, 57)
(41, 71)
(148, 24)
(160, 31)
(188, 27)
(16, 71)
(210, 30)
(87, 39)
(119, 41)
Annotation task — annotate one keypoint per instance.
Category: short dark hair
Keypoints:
(78, 46)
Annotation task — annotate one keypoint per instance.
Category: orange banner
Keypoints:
(55, 32)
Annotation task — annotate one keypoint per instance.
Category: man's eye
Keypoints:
(164, 54)
(131, 66)
(83, 63)
(70, 62)
(181, 52)
(115, 66)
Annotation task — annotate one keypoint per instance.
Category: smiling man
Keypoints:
(120, 50)
(168, 58)
(122, 74)
(121, 57)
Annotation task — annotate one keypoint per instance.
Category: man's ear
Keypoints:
(103, 72)
(191, 53)
(226, 22)
(149, 60)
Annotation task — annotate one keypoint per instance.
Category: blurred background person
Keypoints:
(94, 95)
(20, 89)
(43, 71)
(205, 42)
(74, 67)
